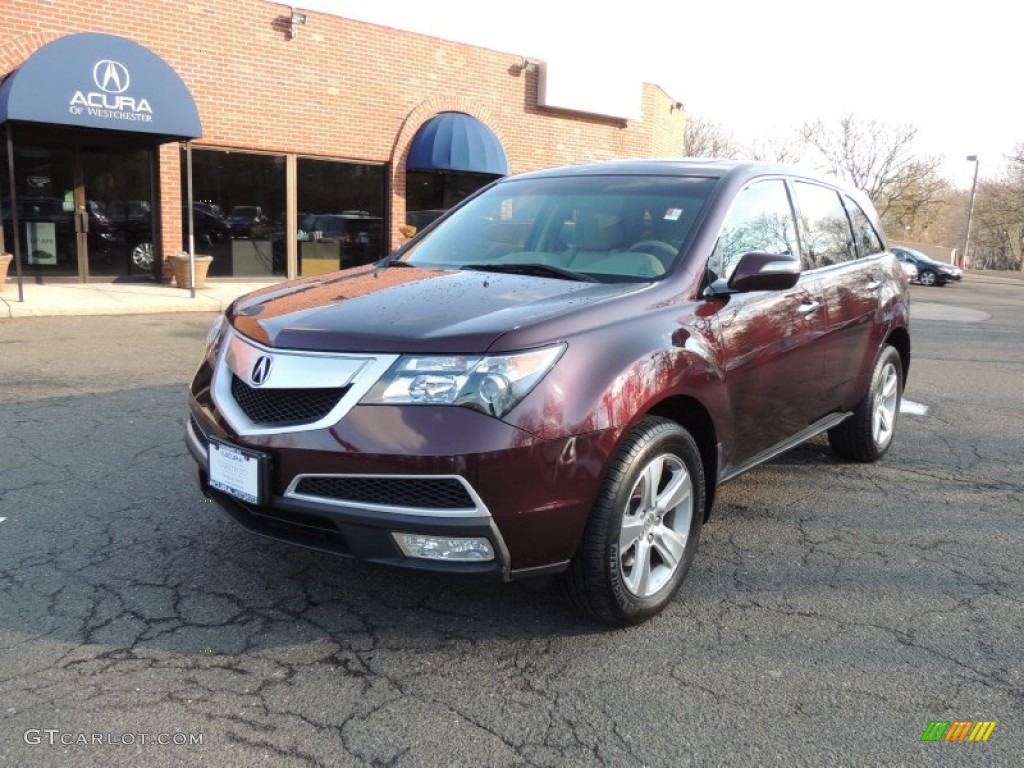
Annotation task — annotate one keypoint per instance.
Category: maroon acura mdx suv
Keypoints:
(555, 376)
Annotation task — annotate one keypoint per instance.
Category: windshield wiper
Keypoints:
(539, 270)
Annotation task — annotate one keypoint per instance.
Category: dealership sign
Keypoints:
(110, 101)
(100, 81)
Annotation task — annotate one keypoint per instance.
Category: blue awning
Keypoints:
(100, 81)
(453, 141)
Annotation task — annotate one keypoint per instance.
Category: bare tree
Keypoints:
(706, 138)
(787, 149)
(878, 158)
(997, 239)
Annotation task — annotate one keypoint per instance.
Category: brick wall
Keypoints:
(340, 89)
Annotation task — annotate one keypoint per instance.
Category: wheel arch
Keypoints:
(691, 414)
(900, 339)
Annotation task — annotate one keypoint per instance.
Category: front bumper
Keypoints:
(529, 499)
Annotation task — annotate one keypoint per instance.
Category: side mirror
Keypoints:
(758, 271)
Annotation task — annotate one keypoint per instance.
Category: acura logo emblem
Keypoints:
(110, 76)
(261, 371)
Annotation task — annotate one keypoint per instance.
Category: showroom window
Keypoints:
(341, 213)
(239, 209)
(431, 193)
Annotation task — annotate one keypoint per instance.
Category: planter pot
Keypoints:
(5, 262)
(179, 268)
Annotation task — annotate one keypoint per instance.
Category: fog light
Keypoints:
(444, 547)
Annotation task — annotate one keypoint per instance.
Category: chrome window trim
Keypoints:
(292, 370)
(479, 510)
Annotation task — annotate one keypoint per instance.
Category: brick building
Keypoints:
(309, 138)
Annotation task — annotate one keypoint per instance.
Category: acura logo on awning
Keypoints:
(261, 371)
(110, 76)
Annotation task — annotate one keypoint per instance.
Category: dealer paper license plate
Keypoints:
(237, 471)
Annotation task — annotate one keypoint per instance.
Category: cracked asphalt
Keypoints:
(832, 611)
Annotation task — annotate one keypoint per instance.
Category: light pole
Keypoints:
(970, 212)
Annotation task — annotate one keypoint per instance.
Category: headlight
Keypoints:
(214, 336)
(493, 384)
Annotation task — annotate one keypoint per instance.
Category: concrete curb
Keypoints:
(118, 299)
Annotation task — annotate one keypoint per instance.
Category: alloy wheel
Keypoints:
(655, 525)
(883, 421)
(142, 256)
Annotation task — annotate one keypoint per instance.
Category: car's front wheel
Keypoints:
(926, 277)
(867, 435)
(643, 530)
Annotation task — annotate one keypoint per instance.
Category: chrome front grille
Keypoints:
(284, 407)
(300, 390)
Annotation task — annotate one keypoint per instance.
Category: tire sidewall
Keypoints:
(670, 439)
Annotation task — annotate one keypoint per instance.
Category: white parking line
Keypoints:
(2, 519)
(914, 409)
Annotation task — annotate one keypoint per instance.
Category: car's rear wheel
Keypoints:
(643, 530)
(926, 277)
(142, 256)
(867, 435)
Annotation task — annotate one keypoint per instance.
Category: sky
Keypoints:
(763, 68)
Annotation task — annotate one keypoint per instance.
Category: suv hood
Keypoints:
(409, 309)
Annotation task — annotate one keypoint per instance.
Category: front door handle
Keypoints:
(874, 283)
(808, 306)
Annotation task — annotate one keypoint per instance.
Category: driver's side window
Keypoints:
(760, 219)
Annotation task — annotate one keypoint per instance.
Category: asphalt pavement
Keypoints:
(833, 610)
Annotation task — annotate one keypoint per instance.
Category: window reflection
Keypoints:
(341, 215)
(825, 229)
(867, 239)
(760, 220)
(239, 212)
(431, 193)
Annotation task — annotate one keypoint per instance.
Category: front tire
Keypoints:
(867, 435)
(643, 531)
(926, 277)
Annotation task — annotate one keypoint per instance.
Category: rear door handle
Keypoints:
(874, 283)
(807, 307)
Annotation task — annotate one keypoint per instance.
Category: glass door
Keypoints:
(84, 211)
(45, 189)
(119, 201)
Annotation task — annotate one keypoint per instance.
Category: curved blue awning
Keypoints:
(453, 141)
(102, 81)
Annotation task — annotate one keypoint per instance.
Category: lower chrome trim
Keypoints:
(478, 510)
(821, 425)
(195, 446)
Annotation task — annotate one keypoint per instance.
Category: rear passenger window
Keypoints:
(760, 219)
(864, 235)
(824, 228)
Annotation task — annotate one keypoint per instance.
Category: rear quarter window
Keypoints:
(865, 237)
(824, 226)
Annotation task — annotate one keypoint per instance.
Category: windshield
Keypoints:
(608, 228)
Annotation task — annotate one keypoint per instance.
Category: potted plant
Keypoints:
(180, 269)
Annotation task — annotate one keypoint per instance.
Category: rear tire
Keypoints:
(867, 435)
(644, 527)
